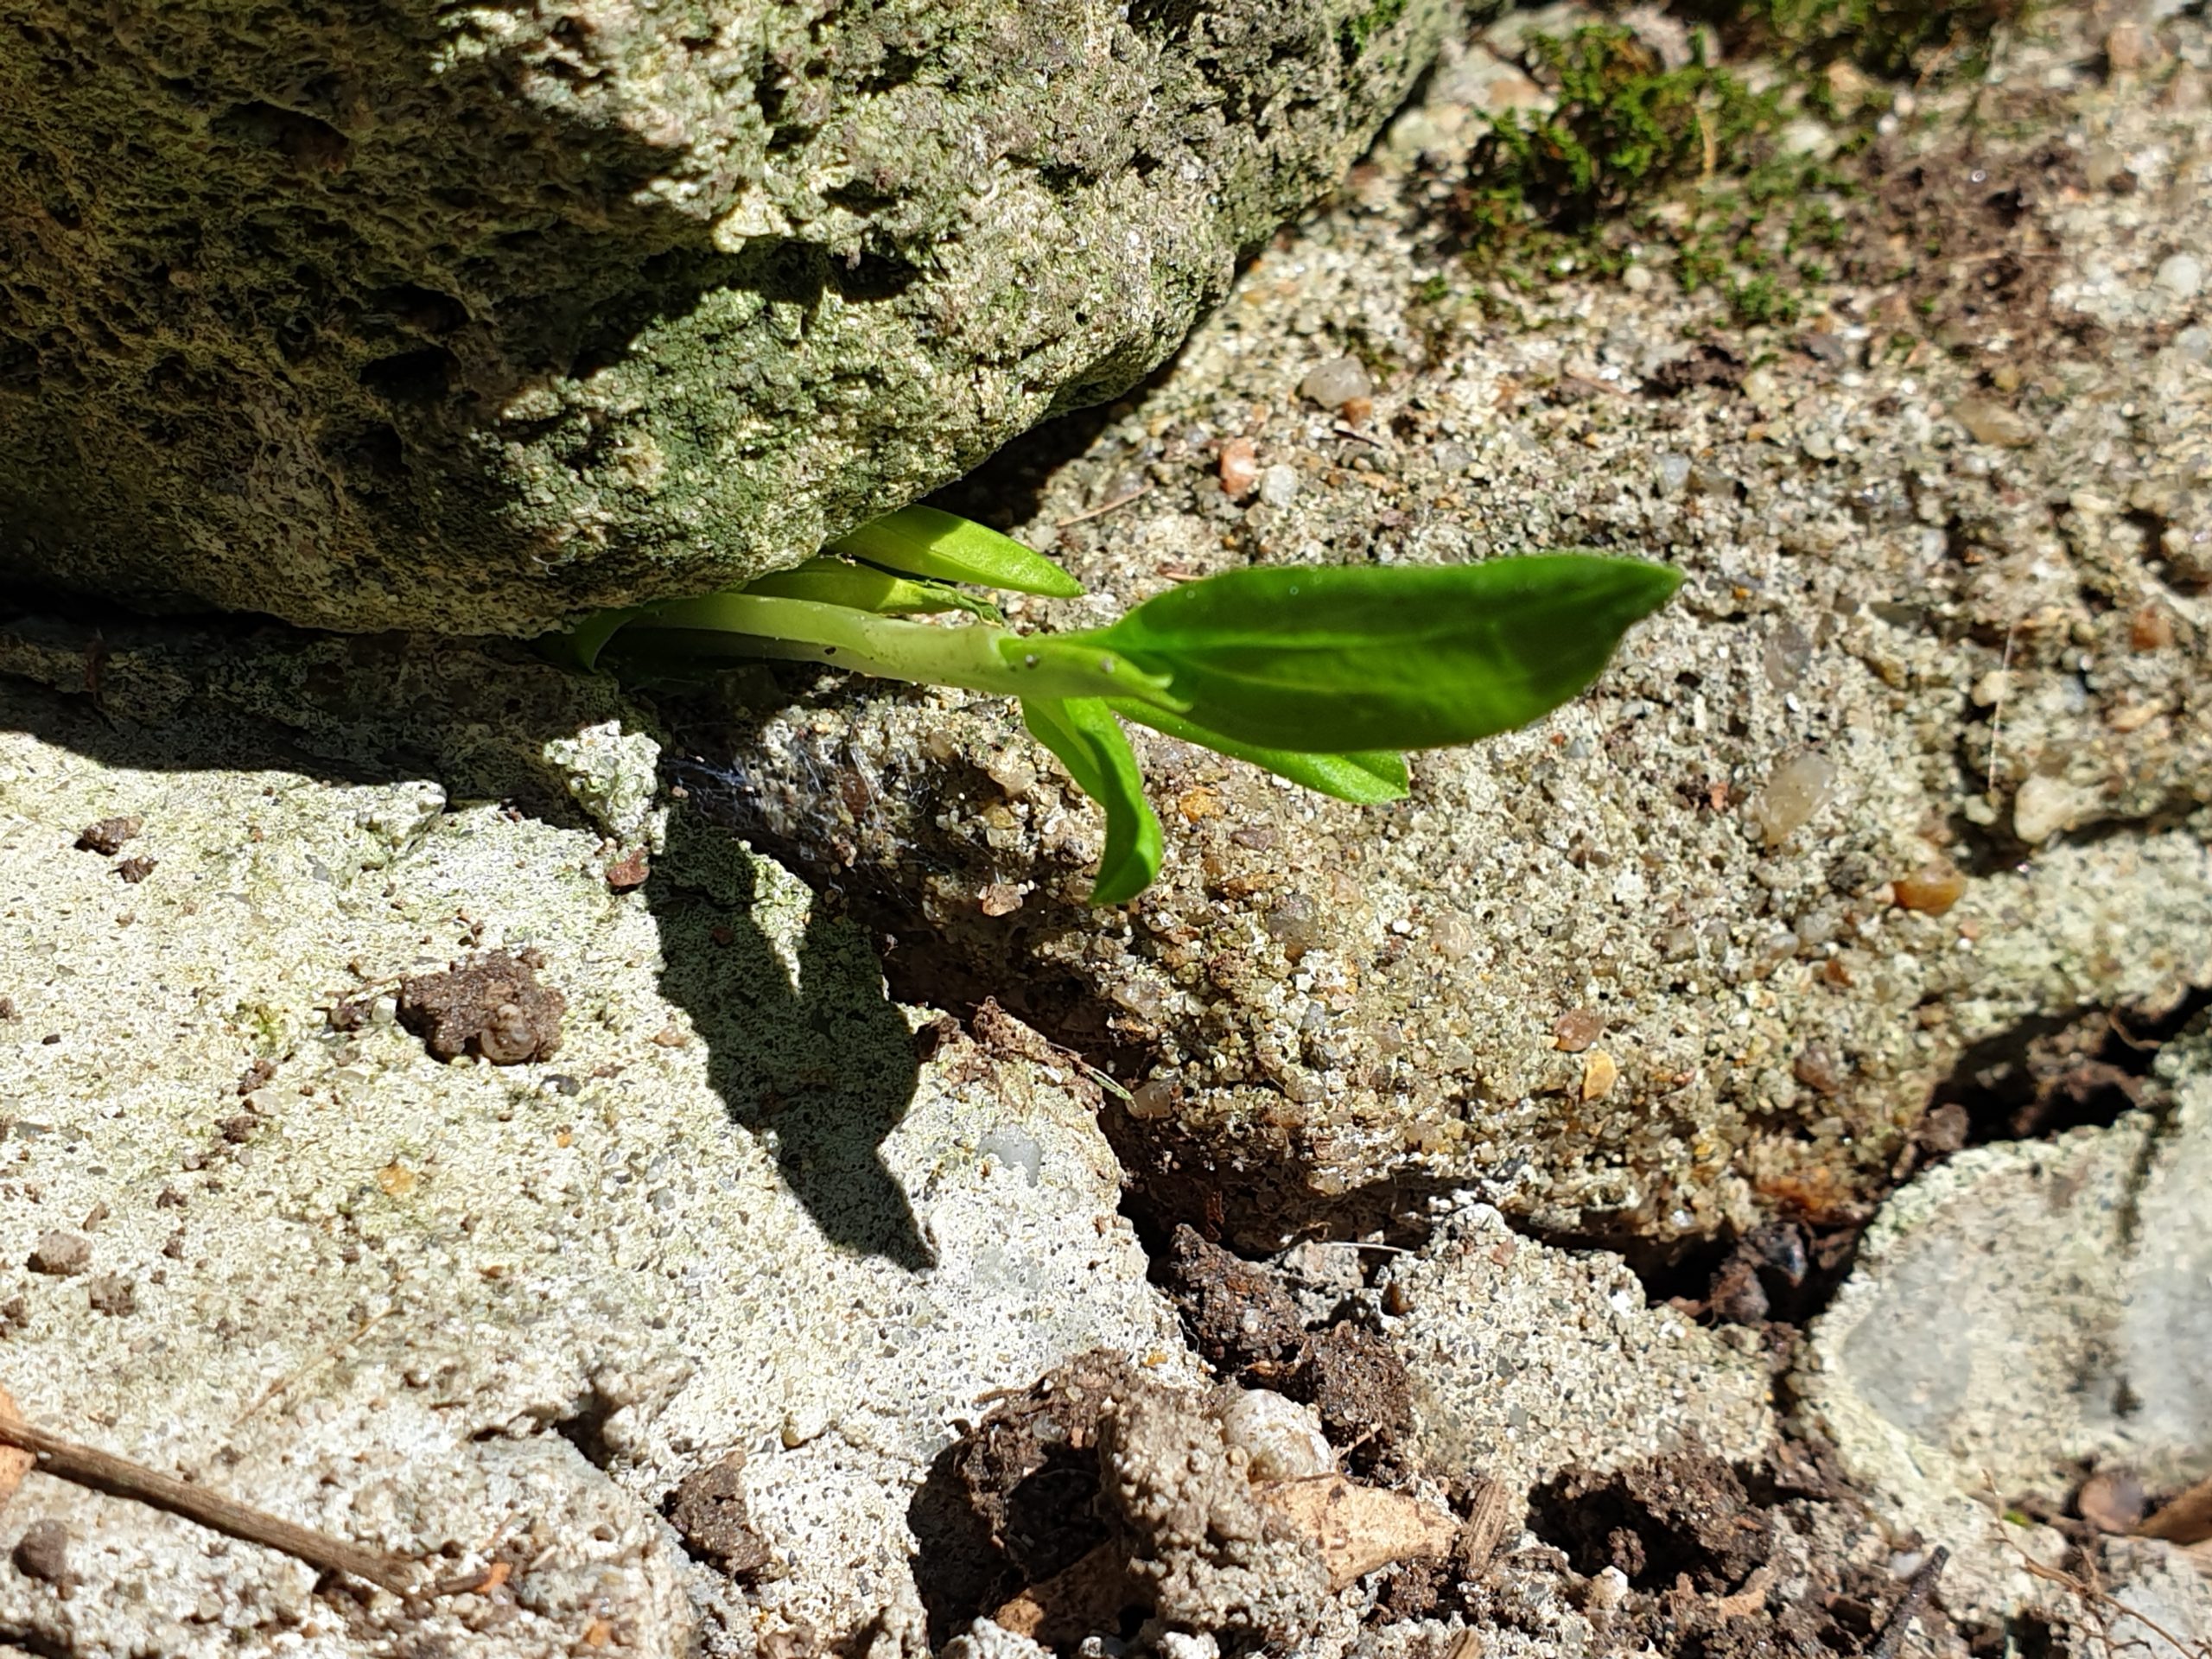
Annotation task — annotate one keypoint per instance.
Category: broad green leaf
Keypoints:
(1096, 751)
(864, 587)
(1334, 659)
(924, 542)
(579, 648)
(1370, 778)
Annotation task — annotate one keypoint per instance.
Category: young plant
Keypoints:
(1320, 674)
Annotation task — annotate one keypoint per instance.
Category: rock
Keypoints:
(1337, 382)
(42, 1552)
(2016, 1313)
(60, 1253)
(2044, 806)
(1990, 422)
(529, 314)
(2181, 275)
(424, 1305)
(1797, 790)
(1278, 484)
(1528, 1360)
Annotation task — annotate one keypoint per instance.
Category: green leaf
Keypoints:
(924, 542)
(1342, 659)
(1091, 745)
(579, 648)
(1075, 666)
(1372, 777)
(864, 587)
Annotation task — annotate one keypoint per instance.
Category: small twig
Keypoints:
(1105, 507)
(316, 1363)
(1997, 714)
(1343, 430)
(103, 1472)
(1909, 1606)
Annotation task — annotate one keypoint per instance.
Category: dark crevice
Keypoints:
(420, 377)
(2084, 1068)
(585, 1428)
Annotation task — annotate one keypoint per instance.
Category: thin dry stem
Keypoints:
(103, 1472)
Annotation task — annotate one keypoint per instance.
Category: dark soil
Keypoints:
(492, 1007)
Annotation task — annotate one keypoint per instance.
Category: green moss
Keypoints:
(1625, 125)
(1581, 189)
(1353, 35)
(1902, 40)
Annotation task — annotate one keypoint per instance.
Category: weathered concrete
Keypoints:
(251, 1231)
(2024, 1312)
(1652, 968)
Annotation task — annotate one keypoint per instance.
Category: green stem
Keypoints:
(976, 656)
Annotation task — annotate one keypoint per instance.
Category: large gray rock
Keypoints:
(2024, 1312)
(478, 318)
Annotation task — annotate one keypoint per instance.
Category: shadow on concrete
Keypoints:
(818, 1063)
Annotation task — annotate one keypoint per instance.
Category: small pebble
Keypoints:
(2181, 275)
(1671, 473)
(1152, 1100)
(1800, 787)
(1240, 468)
(2044, 807)
(107, 836)
(2112, 1500)
(2152, 628)
(1453, 935)
(1575, 1030)
(1278, 484)
(1990, 421)
(1931, 889)
(61, 1253)
(1786, 656)
(1816, 1068)
(1600, 1073)
(1945, 1129)
(42, 1552)
(1336, 383)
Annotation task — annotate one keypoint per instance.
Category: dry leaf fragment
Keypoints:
(1359, 1528)
(15, 1463)
(1075, 1601)
(2187, 1519)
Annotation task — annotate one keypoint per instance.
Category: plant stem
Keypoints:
(975, 656)
(104, 1472)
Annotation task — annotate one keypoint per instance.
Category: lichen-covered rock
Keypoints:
(475, 318)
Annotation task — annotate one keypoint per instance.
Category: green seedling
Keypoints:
(1321, 675)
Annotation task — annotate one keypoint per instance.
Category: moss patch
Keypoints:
(1637, 153)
